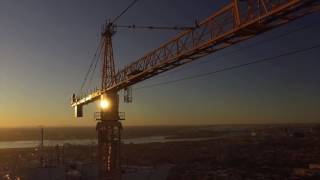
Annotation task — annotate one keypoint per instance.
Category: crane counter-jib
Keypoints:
(86, 100)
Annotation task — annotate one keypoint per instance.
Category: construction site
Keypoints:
(206, 152)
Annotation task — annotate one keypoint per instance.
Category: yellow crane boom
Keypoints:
(228, 26)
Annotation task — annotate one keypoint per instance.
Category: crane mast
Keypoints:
(108, 69)
(237, 21)
(108, 126)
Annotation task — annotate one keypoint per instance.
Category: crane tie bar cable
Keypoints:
(155, 27)
(124, 11)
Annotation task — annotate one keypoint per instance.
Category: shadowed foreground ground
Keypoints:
(275, 152)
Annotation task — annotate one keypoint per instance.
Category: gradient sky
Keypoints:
(46, 47)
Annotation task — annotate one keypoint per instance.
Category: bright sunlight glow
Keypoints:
(104, 103)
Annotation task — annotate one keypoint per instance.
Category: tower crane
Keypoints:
(235, 22)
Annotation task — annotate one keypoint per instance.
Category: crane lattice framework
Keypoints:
(235, 22)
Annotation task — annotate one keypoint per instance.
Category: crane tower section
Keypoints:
(108, 69)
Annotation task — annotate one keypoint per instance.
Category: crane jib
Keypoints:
(226, 27)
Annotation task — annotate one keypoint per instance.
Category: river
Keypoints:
(142, 140)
